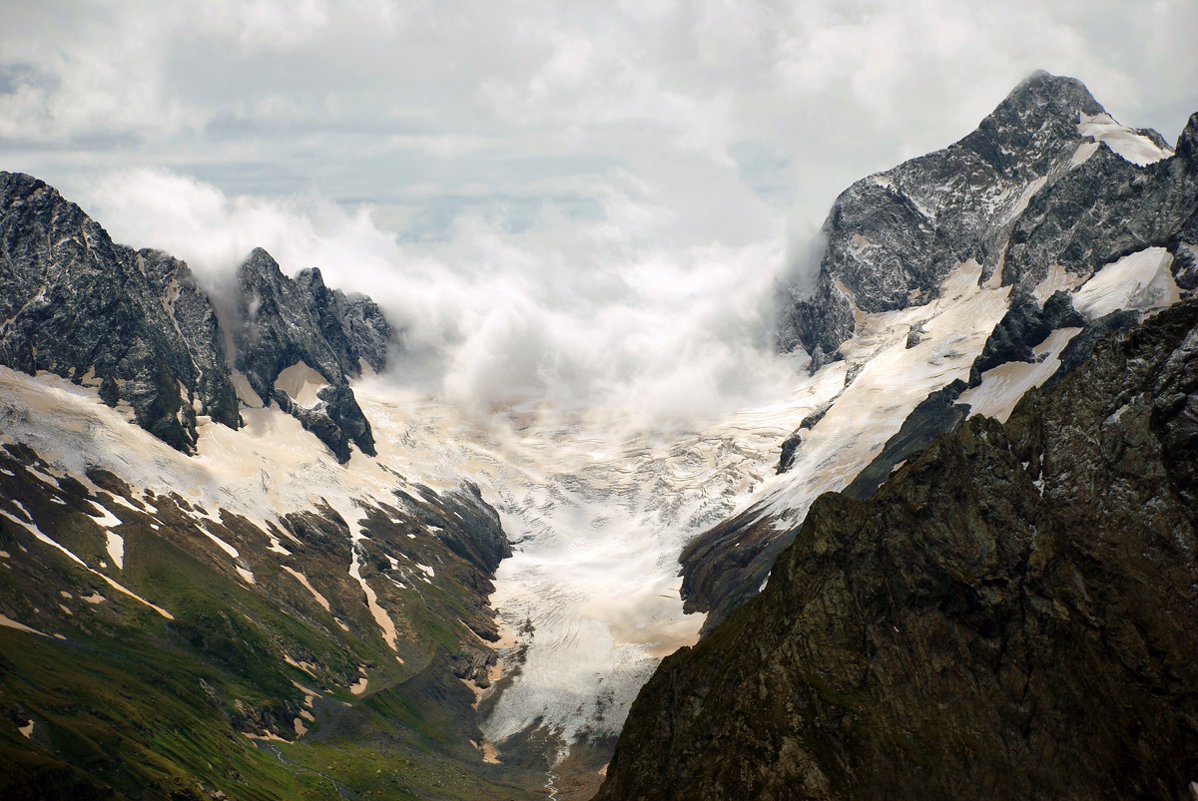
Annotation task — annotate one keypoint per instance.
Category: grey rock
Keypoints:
(75, 303)
(1024, 326)
(286, 321)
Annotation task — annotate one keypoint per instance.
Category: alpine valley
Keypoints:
(240, 558)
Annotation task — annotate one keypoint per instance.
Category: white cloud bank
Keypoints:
(575, 314)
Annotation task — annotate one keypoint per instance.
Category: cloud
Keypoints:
(589, 315)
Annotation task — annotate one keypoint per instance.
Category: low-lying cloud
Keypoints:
(590, 315)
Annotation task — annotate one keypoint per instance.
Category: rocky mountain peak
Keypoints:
(77, 305)
(893, 237)
(289, 322)
(136, 325)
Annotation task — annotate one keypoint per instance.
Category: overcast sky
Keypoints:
(601, 185)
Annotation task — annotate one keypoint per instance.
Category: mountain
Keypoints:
(893, 237)
(1011, 615)
(137, 325)
(200, 596)
(1021, 245)
(974, 574)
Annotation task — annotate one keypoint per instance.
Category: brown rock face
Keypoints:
(1013, 615)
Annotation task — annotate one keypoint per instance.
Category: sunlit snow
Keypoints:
(1125, 142)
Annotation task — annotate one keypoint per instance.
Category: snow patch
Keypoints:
(1140, 280)
(302, 579)
(384, 621)
(8, 622)
(1123, 141)
(245, 392)
(1026, 197)
(224, 546)
(1058, 278)
(116, 549)
(302, 384)
(1004, 385)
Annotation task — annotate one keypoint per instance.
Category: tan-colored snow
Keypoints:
(302, 579)
(121, 501)
(245, 392)
(1003, 386)
(1125, 142)
(1140, 280)
(302, 383)
(1083, 153)
(893, 380)
(360, 686)
(384, 621)
(8, 622)
(26, 730)
(115, 545)
(1025, 198)
(224, 546)
(1058, 278)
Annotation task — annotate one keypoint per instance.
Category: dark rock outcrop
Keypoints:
(79, 306)
(137, 324)
(1029, 191)
(288, 321)
(1025, 325)
(1014, 614)
(936, 414)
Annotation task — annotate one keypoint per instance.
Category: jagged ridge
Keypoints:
(136, 325)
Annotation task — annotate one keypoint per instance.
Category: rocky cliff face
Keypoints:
(77, 305)
(137, 326)
(286, 322)
(1039, 171)
(1012, 615)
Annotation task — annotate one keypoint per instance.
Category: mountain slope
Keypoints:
(1012, 615)
(199, 598)
(79, 306)
(1051, 224)
(893, 237)
(156, 646)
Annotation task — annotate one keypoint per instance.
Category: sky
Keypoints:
(586, 203)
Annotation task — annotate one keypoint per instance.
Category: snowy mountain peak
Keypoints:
(894, 237)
